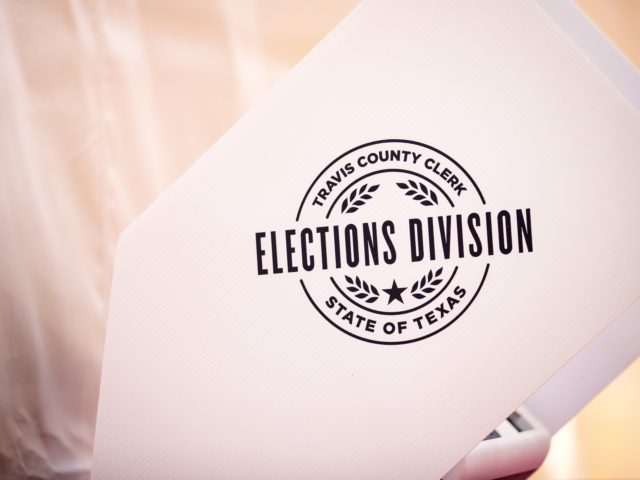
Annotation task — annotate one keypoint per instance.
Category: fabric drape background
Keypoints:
(102, 105)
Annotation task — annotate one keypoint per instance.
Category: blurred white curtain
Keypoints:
(102, 104)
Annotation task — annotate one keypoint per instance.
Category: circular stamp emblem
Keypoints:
(392, 241)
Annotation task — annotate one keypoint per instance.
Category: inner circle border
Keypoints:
(304, 199)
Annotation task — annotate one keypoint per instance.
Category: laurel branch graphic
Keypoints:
(419, 192)
(357, 198)
(366, 291)
(426, 284)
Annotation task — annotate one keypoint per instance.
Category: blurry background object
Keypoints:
(620, 21)
(104, 104)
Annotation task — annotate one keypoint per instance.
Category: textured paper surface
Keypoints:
(212, 371)
(614, 349)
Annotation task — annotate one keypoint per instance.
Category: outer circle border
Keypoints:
(389, 140)
(403, 342)
(304, 199)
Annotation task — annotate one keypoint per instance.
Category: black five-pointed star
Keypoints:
(395, 292)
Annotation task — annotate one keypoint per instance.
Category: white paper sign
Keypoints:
(427, 218)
